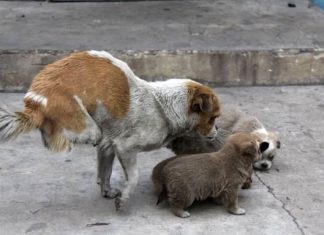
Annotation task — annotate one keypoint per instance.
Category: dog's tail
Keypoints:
(14, 124)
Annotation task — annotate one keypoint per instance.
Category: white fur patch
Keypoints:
(36, 98)
(261, 131)
(91, 134)
(270, 148)
(120, 64)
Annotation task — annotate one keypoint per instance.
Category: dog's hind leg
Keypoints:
(129, 163)
(91, 134)
(105, 158)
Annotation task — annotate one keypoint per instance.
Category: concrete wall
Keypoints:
(222, 68)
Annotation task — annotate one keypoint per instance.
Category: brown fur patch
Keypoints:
(90, 78)
(209, 106)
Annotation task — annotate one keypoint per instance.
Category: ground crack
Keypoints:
(283, 205)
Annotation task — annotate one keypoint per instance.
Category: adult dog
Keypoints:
(92, 97)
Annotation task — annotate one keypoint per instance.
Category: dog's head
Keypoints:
(269, 153)
(204, 106)
(248, 145)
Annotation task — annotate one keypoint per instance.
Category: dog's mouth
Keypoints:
(261, 165)
(212, 136)
(260, 169)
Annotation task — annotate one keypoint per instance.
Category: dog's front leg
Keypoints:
(231, 201)
(129, 163)
(105, 157)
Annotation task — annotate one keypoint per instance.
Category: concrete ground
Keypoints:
(161, 25)
(46, 193)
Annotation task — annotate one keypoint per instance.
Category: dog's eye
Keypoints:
(212, 120)
(271, 157)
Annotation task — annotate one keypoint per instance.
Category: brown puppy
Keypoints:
(200, 176)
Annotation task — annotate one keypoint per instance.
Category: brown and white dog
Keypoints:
(184, 179)
(92, 97)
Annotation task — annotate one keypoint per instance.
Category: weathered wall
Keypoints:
(223, 68)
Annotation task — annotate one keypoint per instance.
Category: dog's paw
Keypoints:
(111, 193)
(180, 212)
(121, 204)
(184, 214)
(246, 185)
(239, 211)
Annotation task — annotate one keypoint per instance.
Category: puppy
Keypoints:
(230, 121)
(218, 175)
(92, 97)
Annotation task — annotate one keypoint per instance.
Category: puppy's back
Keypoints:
(188, 177)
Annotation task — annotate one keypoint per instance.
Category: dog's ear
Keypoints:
(249, 148)
(278, 144)
(201, 103)
(264, 146)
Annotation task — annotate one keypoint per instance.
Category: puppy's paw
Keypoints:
(238, 211)
(184, 214)
(181, 213)
(110, 193)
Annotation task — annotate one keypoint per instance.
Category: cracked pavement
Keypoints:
(43, 192)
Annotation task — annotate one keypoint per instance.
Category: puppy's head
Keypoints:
(248, 145)
(204, 106)
(269, 153)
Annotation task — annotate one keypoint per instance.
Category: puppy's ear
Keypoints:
(278, 144)
(264, 146)
(249, 149)
(201, 103)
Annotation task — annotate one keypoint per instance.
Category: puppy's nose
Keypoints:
(264, 165)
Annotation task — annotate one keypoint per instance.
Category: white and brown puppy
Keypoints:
(92, 97)
(184, 179)
(231, 120)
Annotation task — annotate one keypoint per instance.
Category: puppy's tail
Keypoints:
(14, 124)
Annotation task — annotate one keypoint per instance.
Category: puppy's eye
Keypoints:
(271, 157)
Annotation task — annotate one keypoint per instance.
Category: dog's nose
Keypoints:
(212, 135)
(264, 165)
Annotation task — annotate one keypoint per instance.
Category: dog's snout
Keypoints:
(216, 127)
(264, 165)
(213, 134)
